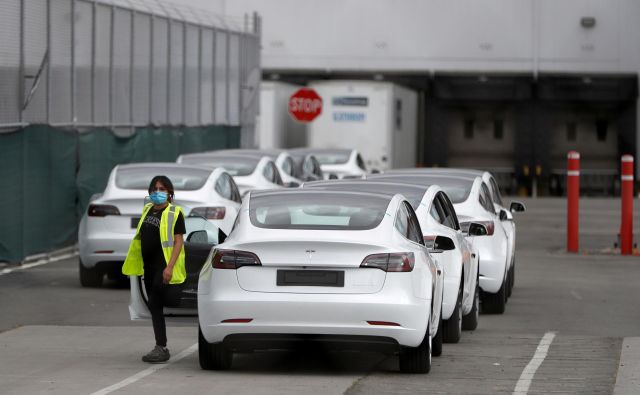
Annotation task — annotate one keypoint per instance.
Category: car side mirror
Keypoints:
(503, 215)
(517, 207)
(333, 176)
(443, 243)
(476, 229)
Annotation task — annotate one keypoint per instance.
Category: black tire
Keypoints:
(436, 342)
(90, 277)
(513, 275)
(416, 359)
(495, 303)
(453, 326)
(213, 356)
(470, 321)
(509, 283)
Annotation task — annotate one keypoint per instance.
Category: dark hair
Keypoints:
(166, 182)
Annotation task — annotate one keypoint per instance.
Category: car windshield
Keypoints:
(184, 179)
(321, 210)
(332, 157)
(234, 165)
(413, 194)
(457, 189)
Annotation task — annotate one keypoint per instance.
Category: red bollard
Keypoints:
(573, 200)
(626, 226)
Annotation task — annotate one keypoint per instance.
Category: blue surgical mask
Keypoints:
(158, 197)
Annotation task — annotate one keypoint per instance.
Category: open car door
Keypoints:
(201, 236)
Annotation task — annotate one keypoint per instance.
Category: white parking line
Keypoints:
(38, 263)
(576, 295)
(522, 387)
(150, 370)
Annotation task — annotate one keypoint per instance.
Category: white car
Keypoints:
(248, 171)
(337, 162)
(349, 269)
(505, 214)
(307, 166)
(110, 221)
(472, 202)
(437, 217)
(283, 160)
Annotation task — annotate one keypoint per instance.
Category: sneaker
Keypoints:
(158, 355)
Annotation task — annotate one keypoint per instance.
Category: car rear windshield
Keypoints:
(234, 165)
(457, 189)
(182, 179)
(319, 210)
(412, 194)
(333, 157)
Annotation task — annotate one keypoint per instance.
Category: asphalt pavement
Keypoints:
(571, 326)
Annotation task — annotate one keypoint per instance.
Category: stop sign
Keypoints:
(305, 105)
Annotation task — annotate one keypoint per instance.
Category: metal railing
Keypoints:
(125, 63)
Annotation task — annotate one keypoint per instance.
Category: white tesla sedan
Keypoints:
(349, 269)
(282, 159)
(473, 204)
(109, 224)
(505, 214)
(248, 171)
(337, 162)
(437, 217)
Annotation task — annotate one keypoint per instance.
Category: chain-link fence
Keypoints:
(125, 63)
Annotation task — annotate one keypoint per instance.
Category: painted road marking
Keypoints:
(576, 295)
(628, 378)
(522, 387)
(152, 369)
(38, 263)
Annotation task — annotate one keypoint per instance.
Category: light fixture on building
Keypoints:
(588, 22)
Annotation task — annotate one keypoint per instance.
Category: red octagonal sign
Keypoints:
(305, 105)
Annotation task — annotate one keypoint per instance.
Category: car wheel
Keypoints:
(417, 359)
(90, 277)
(470, 321)
(513, 276)
(453, 326)
(436, 342)
(213, 356)
(495, 303)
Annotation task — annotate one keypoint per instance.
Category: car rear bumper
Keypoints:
(311, 314)
(279, 341)
(108, 248)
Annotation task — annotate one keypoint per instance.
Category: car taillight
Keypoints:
(209, 212)
(102, 210)
(394, 262)
(464, 226)
(234, 259)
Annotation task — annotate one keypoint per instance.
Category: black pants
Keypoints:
(160, 295)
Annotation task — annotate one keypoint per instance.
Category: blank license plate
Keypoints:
(310, 278)
(134, 222)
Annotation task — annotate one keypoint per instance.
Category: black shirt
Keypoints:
(152, 254)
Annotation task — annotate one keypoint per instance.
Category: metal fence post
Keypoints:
(151, 66)
(73, 62)
(168, 70)
(184, 73)
(50, 54)
(131, 64)
(214, 42)
(199, 75)
(20, 96)
(111, 56)
(227, 75)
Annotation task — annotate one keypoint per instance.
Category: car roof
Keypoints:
(227, 155)
(383, 185)
(322, 150)
(440, 170)
(431, 178)
(270, 192)
(165, 165)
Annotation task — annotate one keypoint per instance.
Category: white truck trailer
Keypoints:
(276, 128)
(379, 119)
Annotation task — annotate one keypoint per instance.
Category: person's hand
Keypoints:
(167, 274)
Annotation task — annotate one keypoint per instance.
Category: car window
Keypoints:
(223, 187)
(276, 176)
(287, 166)
(451, 211)
(268, 172)
(360, 162)
(402, 221)
(449, 219)
(317, 169)
(307, 166)
(485, 199)
(236, 165)
(319, 210)
(235, 193)
(183, 179)
(496, 191)
(415, 233)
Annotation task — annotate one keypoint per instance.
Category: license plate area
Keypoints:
(134, 222)
(310, 278)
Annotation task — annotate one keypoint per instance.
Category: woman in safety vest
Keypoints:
(157, 252)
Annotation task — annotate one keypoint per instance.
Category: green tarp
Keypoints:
(50, 174)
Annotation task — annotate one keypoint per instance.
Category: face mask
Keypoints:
(158, 197)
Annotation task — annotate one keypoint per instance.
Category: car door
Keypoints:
(201, 236)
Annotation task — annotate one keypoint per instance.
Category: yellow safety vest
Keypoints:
(133, 265)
